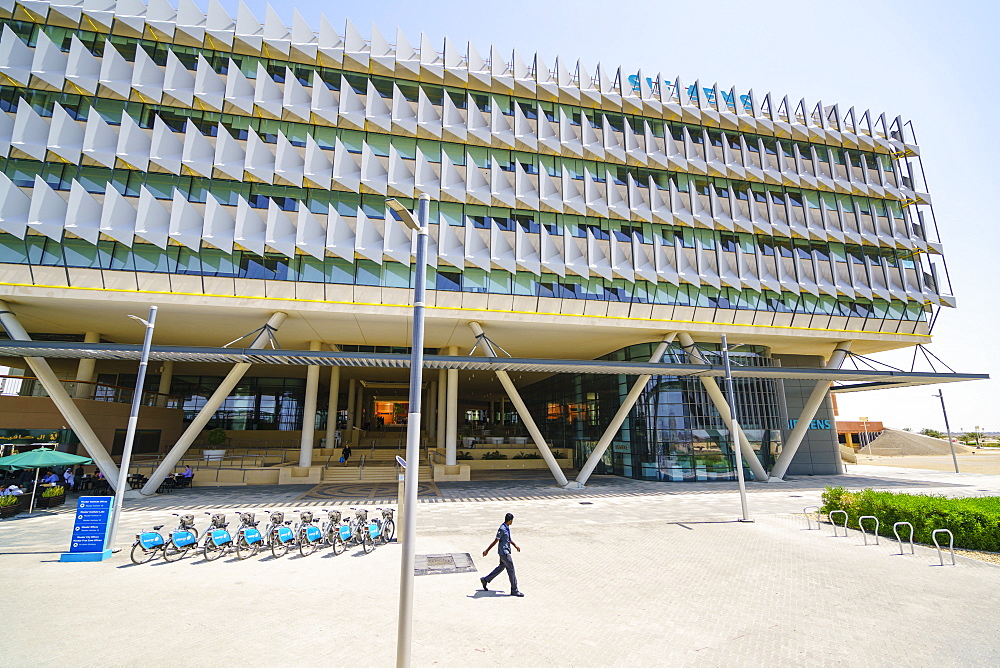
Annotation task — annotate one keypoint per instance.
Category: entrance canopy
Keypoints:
(857, 380)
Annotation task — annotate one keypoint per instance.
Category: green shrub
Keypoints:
(57, 490)
(496, 454)
(217, 436)
(463, 455)
(975, 522)
(8, 500)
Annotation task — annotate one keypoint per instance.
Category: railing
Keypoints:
(25, 386)
(899, 540)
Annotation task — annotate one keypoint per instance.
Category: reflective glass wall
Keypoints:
(673, 432)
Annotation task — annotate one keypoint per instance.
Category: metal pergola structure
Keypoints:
(858, 380)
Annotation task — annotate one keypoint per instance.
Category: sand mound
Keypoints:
(897, 443)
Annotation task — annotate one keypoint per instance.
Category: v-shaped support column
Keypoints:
(522, 411)
(623, 411)
(67, 408)
(208, 410)
(815, 400)
(722, 406)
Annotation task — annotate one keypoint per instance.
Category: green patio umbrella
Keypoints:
(38, 459)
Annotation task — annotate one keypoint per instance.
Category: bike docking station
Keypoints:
(90, 530)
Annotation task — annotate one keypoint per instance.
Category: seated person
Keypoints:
(13, 490)
(50, 477)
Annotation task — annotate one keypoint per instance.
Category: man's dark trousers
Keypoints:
(506, 562)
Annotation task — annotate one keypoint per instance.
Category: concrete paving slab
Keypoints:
(631, 574)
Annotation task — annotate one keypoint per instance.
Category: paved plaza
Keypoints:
(624, 573)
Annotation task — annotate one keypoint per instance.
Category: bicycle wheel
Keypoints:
(141, 555)
(388, 531)
(367, 543)
(306, 547)
(211, 551)
(245, 550)
(173, 553)
(279, 549)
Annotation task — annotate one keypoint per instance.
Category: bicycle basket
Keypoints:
(219, 520)
(306, 516)
(361, 514)
(334, 515)
(246, 518)
(277, 518)
(187, 521)
(387, 513)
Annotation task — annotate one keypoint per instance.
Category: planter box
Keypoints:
(10, 511)
(213, 455)
(50, 501)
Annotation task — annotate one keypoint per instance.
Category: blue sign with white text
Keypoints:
(90, 529)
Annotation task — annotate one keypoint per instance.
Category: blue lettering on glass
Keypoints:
(815, 424)
(692, 92)
(90, 528)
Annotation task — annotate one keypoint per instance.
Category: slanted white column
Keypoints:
(166, 378)
(332, 407)
(616, 422)
(85, 370)
(208, 410)
(451, 419)
(815, 400)
(722, 406)
(442, 406)
(352, 391)
(74, 418)
(309, 411)
(522, 411)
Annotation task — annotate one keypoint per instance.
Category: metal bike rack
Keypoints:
(899, 540)
(951, 544)
(805, 511)
(862, 526)
(834, 522)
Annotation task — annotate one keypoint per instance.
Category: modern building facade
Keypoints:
(234, 172)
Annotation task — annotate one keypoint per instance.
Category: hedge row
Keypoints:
(975, 522)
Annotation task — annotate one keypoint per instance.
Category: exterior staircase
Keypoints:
(379, 462)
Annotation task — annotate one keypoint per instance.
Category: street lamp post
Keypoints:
(734, 431)
(947, 427)
(409, 511)
(133, 420)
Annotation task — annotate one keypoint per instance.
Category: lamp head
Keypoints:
(404, 214)
(137, 318)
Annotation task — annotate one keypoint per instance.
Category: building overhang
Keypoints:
(856, 380)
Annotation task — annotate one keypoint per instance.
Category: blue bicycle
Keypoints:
(307, 535)
(217, 539)
(249, 540)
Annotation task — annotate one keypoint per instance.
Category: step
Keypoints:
(369, 474)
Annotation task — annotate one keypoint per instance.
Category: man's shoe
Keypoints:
(517, 593)
(483, 580)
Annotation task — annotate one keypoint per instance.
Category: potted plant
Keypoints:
(216, 437)
(10, 505)
(52, 497)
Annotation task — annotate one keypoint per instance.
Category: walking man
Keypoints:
(506, 562)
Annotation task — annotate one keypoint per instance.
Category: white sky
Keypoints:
(929, 62)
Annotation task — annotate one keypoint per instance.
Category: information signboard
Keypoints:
(90, 529)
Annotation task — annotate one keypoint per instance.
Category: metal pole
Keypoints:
(133, 420)
(947, 427)
(409, 519)
(737, 454)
